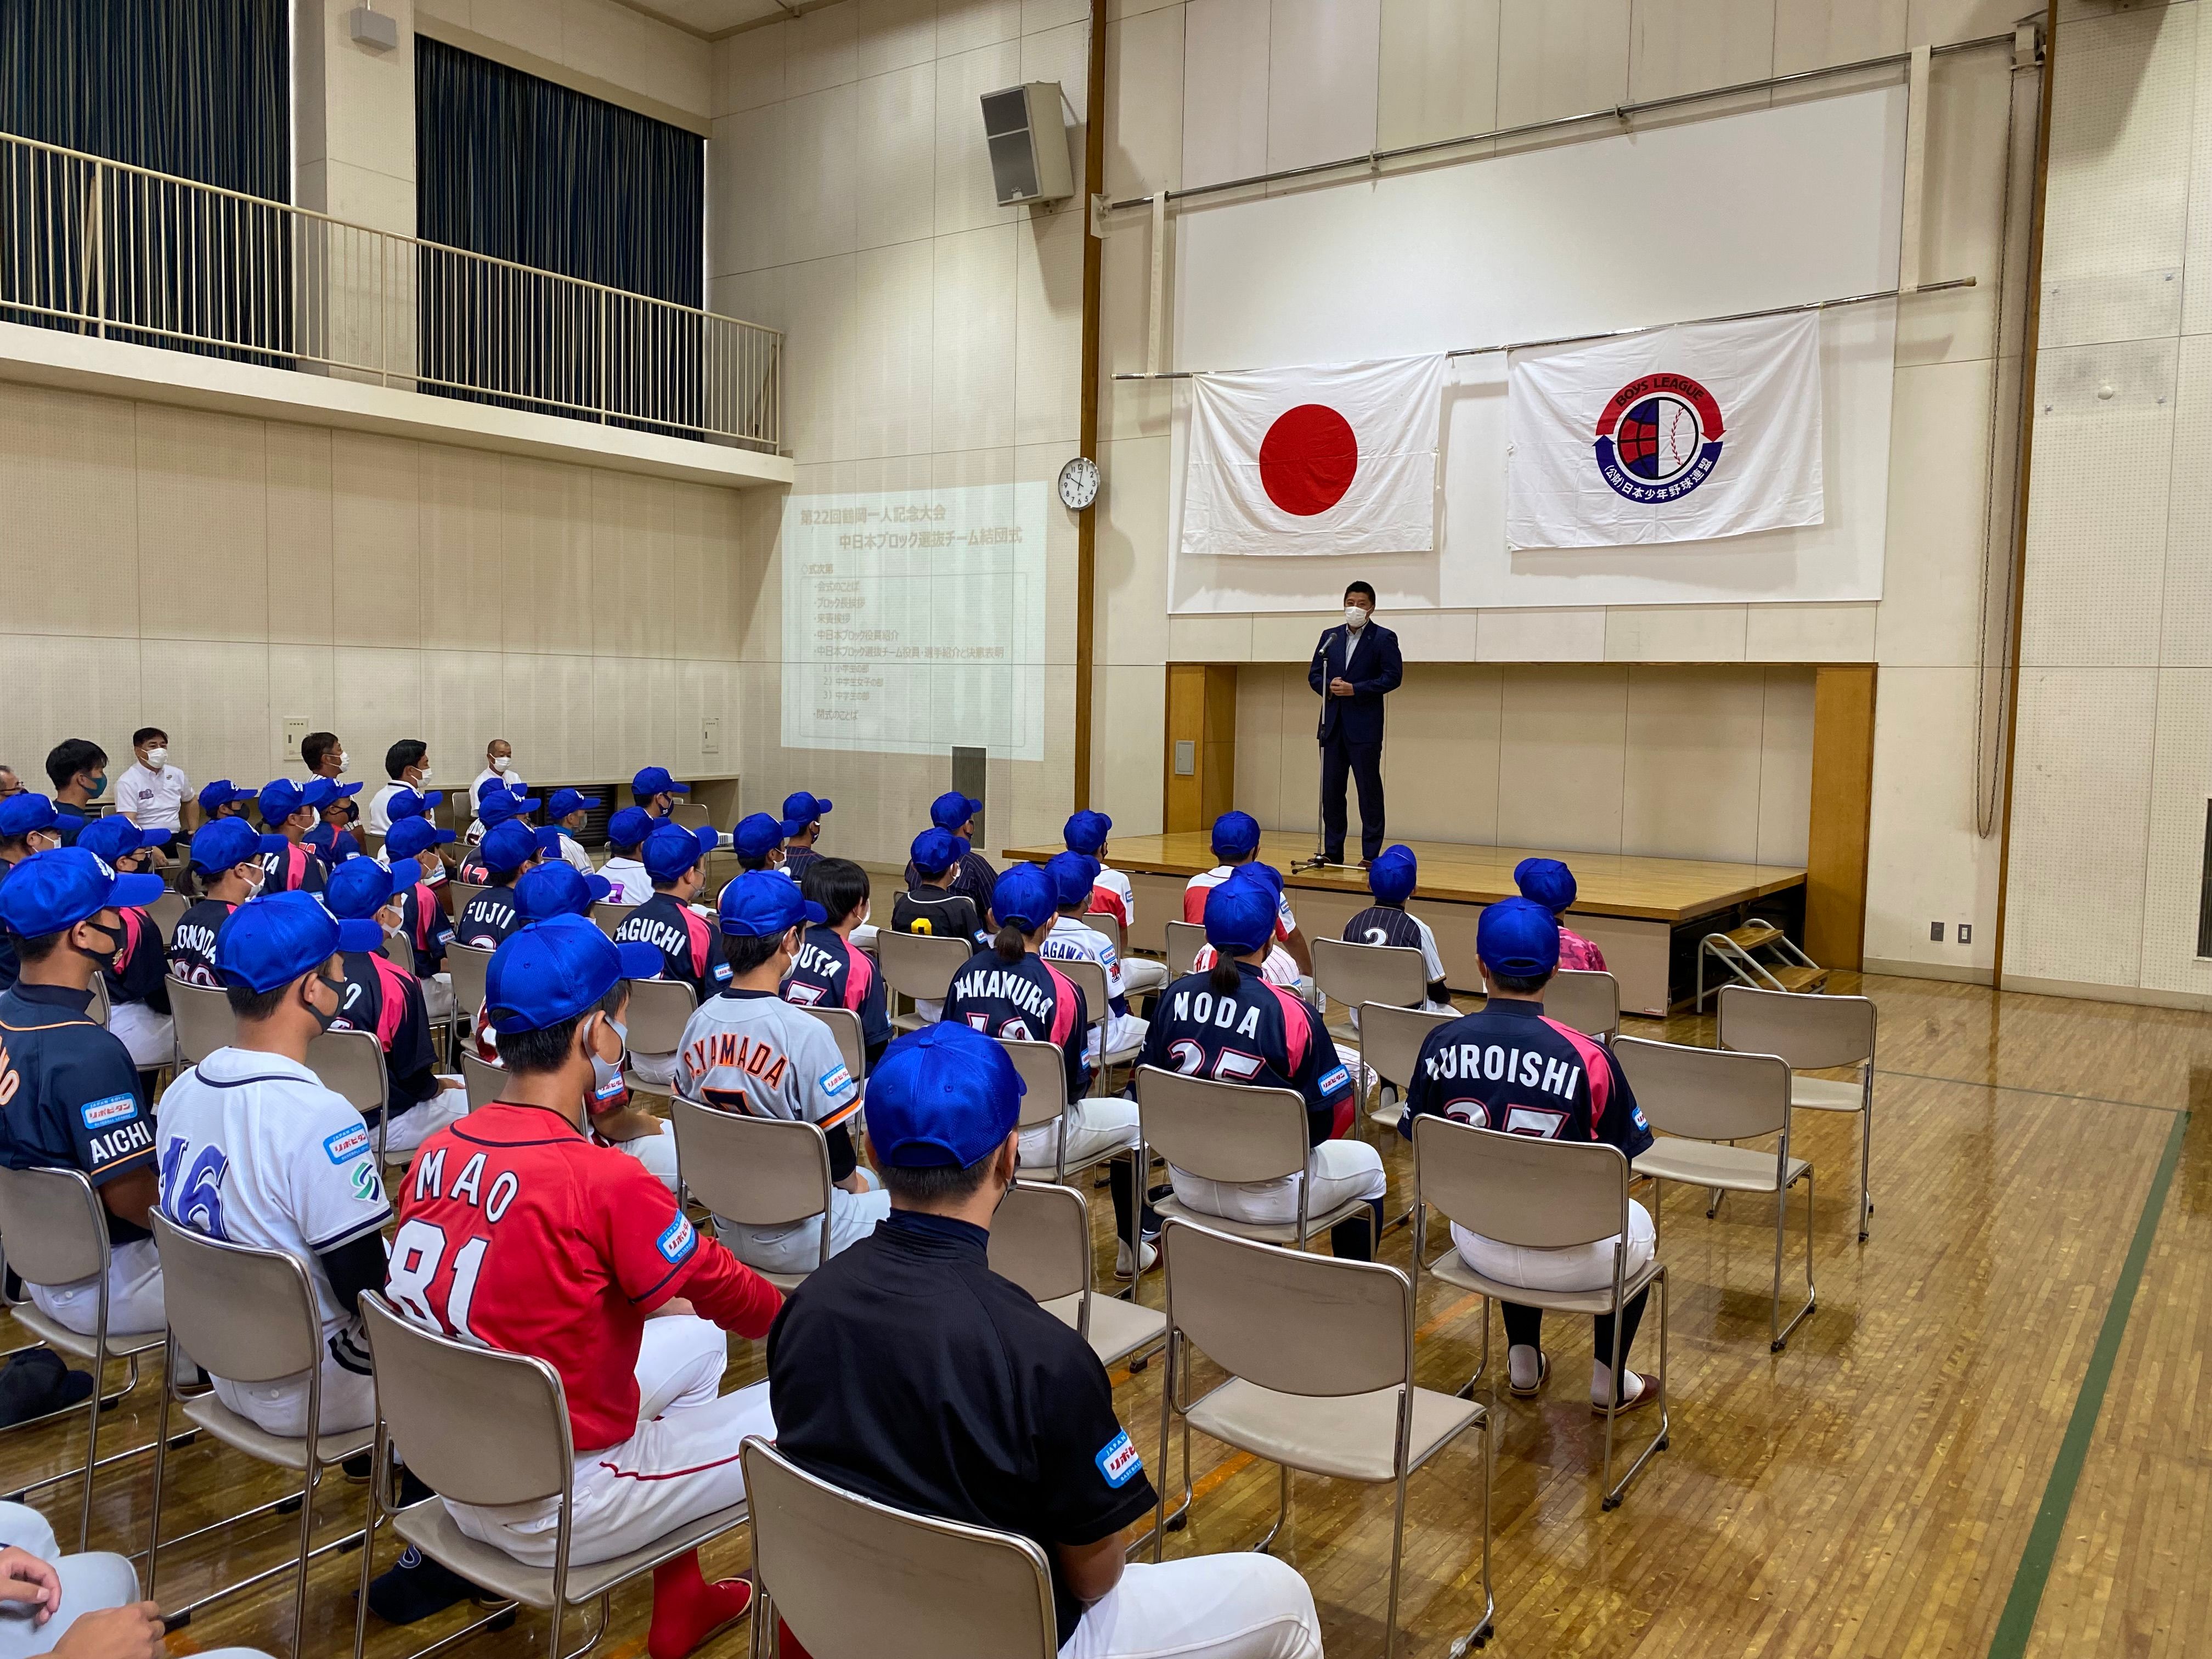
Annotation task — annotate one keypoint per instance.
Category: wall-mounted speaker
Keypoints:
(1029, 144)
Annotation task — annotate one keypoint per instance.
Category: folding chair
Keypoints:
(167, 911)
(1813, 1034)
(1044, 1100)
(934, 1590)
(609, 916)
(101, 1006)
(484, 1079)
(1143, 975)
(1390, 1039)
(1699, 1102)
(1090, 977)
(1539, 1194)
(851, 1045)
(203, 1020)
(754, 1171)
(399, 949)
(1184, 939)
(490, 1429)
(1320, 1357)
(1588, 1002)
(659, 1009)
(55, 1230)
(248, 1316)
(1041, 1239)
(692, 814)
(467, 964)
(1354, 974)
(920, 967)
(351, 1063)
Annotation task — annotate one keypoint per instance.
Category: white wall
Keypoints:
(1203, 90)
(2115, 747)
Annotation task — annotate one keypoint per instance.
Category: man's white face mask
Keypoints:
(1355, 616)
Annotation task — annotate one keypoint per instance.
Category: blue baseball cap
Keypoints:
(1236, 836)
(936, 851)
(1086, 832)
(267, 943)
(630, 826)
(1393, 875)
(1546, 882)
(1072, 874)
(281, 799)
(758, 835)
(762, 903)
(801, 809)
(556, 970)
(20, 814)
(672, 849)
(60, 887)
(220, 792)
(1240, 915)
(359, 888)
(944, 1096)
(115, 836)
(951, 810)
(558, 889)
(498, 809)
(408, 804)
(408, 836)
(566, 801)
(507, 847)
(226, 844)
(1022, 898)
(1516, 936)
(655, 780)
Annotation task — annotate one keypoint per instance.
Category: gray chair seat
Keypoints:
(1388, 1116)
(242, 1434)
(911, 1022)
(431, 1529)
(1822, 1094)
(1118, 1329)
(1452, 1268)
(1142, 974)
(1711, 1163)
(121, 1344)
(1352, 1435)
(1267, 1232)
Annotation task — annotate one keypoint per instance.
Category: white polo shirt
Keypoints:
(151, 799)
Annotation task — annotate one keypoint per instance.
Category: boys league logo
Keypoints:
(1659, 438)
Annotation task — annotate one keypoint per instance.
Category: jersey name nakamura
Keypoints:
(998, 983)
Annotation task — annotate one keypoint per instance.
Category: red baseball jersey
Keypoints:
(516, 1231)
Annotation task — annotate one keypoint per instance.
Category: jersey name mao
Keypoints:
(1259, 1035)
(1508, 1067)
(1027, 1001)
(192, 947)
(691, 948)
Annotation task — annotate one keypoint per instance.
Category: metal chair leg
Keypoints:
(1282, 1511)
(1781, 1332)
(1866, 1159)
(1481, 1632)
(1397, 1560)
(1619, 1490)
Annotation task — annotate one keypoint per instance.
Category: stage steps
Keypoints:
(1759, 954)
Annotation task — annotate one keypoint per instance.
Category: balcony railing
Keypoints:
(99, 247)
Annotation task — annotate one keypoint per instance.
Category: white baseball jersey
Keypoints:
(1073, 940)
(1111, 893)
(150, 799)
(631, 884)
(573, 855)
(256, 1151)
(1194, 892)
(1280, 968)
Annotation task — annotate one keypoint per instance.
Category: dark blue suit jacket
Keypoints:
(1375, 669)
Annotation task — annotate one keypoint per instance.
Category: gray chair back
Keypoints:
(350, 1063)
(1044, 1072)
(1390, 1038)
(609, 915)
(1706, 1094)
(1812, 1033)
(756, 1172)
(55, 1228)
(468, 965)
(1090, 979)
(1222, 1131)
(203, 1019)
(248, 1314)
(484, 1079)
(1587, 1002)
(167, 911)
(932, 1589)
(1521, 1189)
(1352, 972)
(1287, 1320)
(659, 1009)
(478, 1426)
(101, 1005)
(1041, 1239)
(397, 948)
(1110, 925)
(920, 965)
(462, 892)
(1184, 939)
(692, 814)
(851, 1045)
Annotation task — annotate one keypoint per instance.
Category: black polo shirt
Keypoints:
(905, 1369)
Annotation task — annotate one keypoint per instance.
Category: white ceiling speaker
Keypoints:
(1029, 144)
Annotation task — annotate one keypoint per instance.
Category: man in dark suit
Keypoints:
(1355, 666)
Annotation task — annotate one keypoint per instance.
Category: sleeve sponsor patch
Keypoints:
(1335, 1079)
(721, 972)
(835, 1081)
(675, 1244)
(1119, 1462)
(111, 1108)
(1636, 1113)
(365, 1187)
(347, 1144)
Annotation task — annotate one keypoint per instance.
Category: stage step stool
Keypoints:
(1786, 968)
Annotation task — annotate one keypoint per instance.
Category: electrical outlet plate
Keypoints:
(1186, 757)
(295, 731)
(1936, 932)
(710, 735)
(1966, 932)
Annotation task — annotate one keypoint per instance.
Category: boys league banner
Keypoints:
(1333, 458)
(1678, 434)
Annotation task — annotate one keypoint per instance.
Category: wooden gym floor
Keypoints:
(1990, 1438)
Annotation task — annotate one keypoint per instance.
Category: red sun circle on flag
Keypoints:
(1307, 458)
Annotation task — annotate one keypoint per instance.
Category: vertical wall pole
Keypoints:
(1086, 522)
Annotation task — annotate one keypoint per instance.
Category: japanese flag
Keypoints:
(1334, 458)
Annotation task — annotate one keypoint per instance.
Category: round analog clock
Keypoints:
(1078, 483)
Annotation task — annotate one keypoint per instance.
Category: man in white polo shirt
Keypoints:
(255, 1151)
(152, 793)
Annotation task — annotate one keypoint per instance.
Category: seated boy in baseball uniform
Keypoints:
(1391, 879)
(409, 850)
(255, 1151)
(907, 1371)
(803, 813)
(509, 847)
(1111, 894)
(691, 945)
(138, 979)
(566, 809)
(288, 811)
(1073, 939)
(831, 972)
(759, 841)
(973, 875)
(624, 871)
(748, 1050)
(227, 859)
(1236, 842)
(576, 1262)
(385, 1000)
(28, 825)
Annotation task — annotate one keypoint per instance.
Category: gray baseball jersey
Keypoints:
(751, 1051)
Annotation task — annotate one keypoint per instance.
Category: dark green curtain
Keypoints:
(516, 167)
(200, 89)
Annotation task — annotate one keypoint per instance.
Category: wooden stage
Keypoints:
(1646, 914)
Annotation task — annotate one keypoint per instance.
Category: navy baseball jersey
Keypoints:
(975, 877)
(690, 946)
(1508, 1067)
(1030, 1001)
(141, 967)
(1259, 1035)
(382, 997)
(293, 868)
(488, 919)
(192, 947)
(830, 973)
(68, 1094)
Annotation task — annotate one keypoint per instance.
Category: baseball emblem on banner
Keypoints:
(1658, 438)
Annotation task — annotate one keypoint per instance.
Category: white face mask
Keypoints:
(1354, 616)
(422, 777)
(498, 765)
(342, 760)
(156, 759)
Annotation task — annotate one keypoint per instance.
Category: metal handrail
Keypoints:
(123, 251)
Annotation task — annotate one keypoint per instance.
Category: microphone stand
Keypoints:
(1320, 858)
